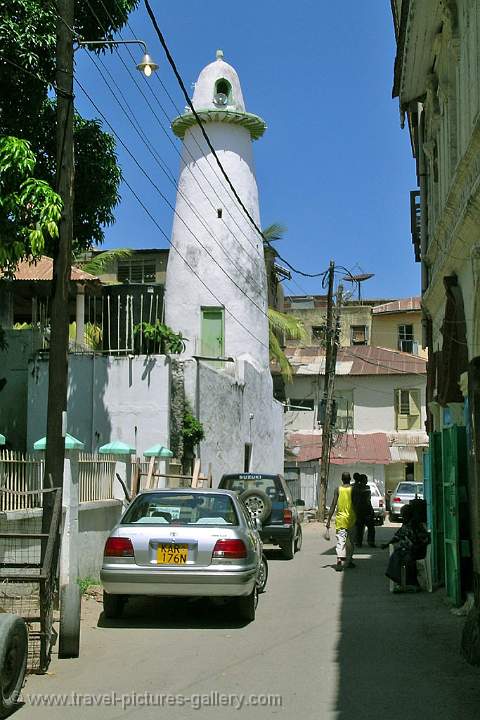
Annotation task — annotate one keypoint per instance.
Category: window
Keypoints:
(405, 338)
(247, 457)
(358, 334)
(173, 508)
(344, 400)
(318, 333)
(136, 271)
(212, 332)
(407, 409)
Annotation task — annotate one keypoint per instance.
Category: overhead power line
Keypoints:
(210, 146)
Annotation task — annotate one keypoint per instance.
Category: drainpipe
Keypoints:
(422, 175)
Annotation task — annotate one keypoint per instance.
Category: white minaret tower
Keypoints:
(222, 312)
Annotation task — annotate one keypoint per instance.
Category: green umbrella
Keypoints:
(116, 447)
(71, 443)
(2, 439)
(158, 451)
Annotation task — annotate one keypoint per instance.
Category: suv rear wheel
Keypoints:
(299, 540)
(258, 503)
(288, 548)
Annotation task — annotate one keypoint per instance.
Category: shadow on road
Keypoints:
(175, 613)
(399, 654)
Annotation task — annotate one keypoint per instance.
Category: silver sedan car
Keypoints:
(404, 492)
(183, 542)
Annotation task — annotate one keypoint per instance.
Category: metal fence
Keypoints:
(96, 475)
(23, 473)
(20, 473)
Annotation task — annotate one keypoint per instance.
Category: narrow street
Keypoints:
(331, 645)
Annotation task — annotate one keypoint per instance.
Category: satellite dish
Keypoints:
(220, 99)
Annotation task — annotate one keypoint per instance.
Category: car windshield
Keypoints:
(374, 490)
(409, 488)
(239, 483)
(174, 508)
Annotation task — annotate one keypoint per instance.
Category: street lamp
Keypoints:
(146, 65)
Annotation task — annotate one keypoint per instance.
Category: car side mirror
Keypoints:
(299, 503)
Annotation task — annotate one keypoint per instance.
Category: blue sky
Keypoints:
(334, 165)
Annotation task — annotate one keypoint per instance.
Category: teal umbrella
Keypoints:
(158, 451)
(116, 447)
(71, 443)
(2, 439)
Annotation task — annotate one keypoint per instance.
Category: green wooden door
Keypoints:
(212, 332)
(436, 515)
(453, 450)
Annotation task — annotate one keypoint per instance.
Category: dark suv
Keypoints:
(268, 498)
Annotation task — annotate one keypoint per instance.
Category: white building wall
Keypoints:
(373, 399)
(109, 398)
(222, 263)
(236, 407)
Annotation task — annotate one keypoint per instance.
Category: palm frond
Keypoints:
(274, 232)
(98, 264)
(277, 355)
(290, 325)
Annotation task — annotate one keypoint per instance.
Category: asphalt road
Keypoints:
(326, 645)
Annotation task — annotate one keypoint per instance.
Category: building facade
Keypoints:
(437, 82)
(380, 416)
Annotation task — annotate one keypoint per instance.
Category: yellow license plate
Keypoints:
(172, 554)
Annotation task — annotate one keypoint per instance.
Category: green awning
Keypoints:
(3, 439)
(158, 451)
(71, 443)
(116, 447)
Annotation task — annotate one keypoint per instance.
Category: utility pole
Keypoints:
(69, 591)
(333, 341)
(62, 260)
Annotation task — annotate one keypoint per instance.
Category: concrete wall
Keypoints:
(225, 400)
(95, 520)
(109, 398)
(228, 255)
(373, 399)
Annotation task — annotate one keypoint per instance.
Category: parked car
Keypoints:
(269, 500)
(184, 542)
(378, 502)
(404, 492)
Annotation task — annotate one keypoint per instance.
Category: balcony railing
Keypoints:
(415, 223)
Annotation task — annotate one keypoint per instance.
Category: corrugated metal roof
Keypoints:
(355, 360)
(42, 269)
(404, 305)
(352, 448)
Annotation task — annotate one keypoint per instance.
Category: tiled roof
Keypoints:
(371, 448)
(355, 360)
(404, 305)
(42, 269)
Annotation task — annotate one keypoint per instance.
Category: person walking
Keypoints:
(362, 503)
(344, 522)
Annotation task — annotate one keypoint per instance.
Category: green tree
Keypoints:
(29, 209)
(28, 40)
(280, 325)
